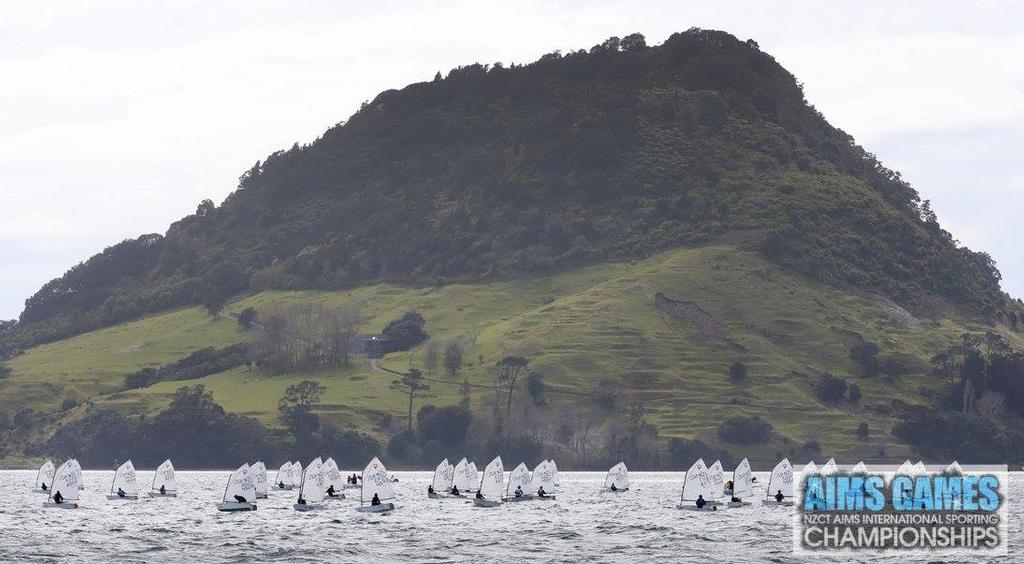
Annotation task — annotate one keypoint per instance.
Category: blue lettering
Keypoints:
(988, 487)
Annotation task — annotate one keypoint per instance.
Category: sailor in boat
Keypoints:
(541, 492)
(779, 497)
(163, 489)
(302, 500)
(430, 489)
(57, 498)
(375, 500)
(479, 495)
(728, 485)
(613, 488)
(455, 490)
(331, 492)
(43, 487)
(241, 499)
(519, 491)
(700, 502)
(120, 493)
(735, 499)
(280, 484)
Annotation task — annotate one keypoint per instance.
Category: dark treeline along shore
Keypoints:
(631, 252)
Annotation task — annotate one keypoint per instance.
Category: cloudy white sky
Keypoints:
(118, 117)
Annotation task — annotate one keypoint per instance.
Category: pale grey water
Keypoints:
(582, 524)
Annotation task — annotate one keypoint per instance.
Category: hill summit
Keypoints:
(497, 172)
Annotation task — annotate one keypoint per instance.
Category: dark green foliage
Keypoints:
(402, 447)
(448, 425)
(853, 393)
(24, 418)
(213, 300)
(201, 363)
(295, 407)
(405, 332)
(681, 453)
(535, 387)
(745, 430)
(865, 355)
(69, 403)
(893, 366)
(5, 371)
(516, 447)
(943, 435)
(863, 432)
(737, 372)
(812, 447)
(349, 448)
(411, 383)
(247, 318)
(830, 388)
(492, 172)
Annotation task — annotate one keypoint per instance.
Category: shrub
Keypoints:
(863, 432)
(737, 372)
(813, 447)
(68, 404)
(247, 318)
(5, 371)
(830, 388)
(853, 393)
(405, 332)
(682, 453)
(865, 355)
(745, 430)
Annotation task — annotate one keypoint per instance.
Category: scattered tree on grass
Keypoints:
(863, 432)
(247, 318)
(411, 383)
(506, 374)
(737, 372)
(453, 356)
(853, 393)
(830, 388)
(865, 355)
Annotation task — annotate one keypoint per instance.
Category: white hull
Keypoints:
(120, 498)
(485, 502)
(735, 504)
(65, 505)
(607, 490)
(543, 497)
(382, 508)
(773, 503)
(337, 497)
(168, 494)
(37, 490)
(352, 486)
(515, 499)
(308, 506)
(284, 489)
(444, 496)
(236, 506)
(707, 507)
(261, 496)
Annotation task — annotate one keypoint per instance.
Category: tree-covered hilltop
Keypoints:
(502, 171)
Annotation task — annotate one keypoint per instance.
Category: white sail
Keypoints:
(78, 470)
(829, 468)
(259, 474)
(519, 478)
(920, 469)
(859, 468)
(543, 477)
(554, 468)
(460, 478)
(124, 479)
(717, 475)
(493, 479)
(443, 476)
(954, 469)
(332, 476)
(376, 481)
(905, 469)
(284, 475)
(164, 476)
(241, 483)
(742, 480)
(811, 468)
(45, 475)
(617, 475)
(67, 480)
(472, 475)
(295, 474)
(697, 482)
(781, 480)
(311, 486)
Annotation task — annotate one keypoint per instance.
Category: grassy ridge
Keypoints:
(577, 328)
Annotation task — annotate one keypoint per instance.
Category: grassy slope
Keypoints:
(578, 328)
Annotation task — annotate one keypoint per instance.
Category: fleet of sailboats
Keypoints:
(65, 490)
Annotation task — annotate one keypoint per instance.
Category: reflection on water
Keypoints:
(582, 523)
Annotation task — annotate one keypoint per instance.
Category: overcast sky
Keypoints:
(117, 117)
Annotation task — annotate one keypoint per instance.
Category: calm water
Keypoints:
(639, 525)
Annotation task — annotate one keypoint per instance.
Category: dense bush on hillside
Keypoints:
(203, 362)
(742, 430)
(496, 171)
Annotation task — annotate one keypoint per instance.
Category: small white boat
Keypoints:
(717, 475)
(444, 479)
(124, 487)
(491, 483)
(618, 476)
(518, 486)
(829, 468)
(164, 484)
(44, 478)
(859, 468)
(781, 481)
(543, 480)
(311, 487)
(697, 485)
(954, 469)
(376, 483)
(283, 481)
(241, 488)
(78, 470)
(259, 474)
(65, 483)
(332, 481)
(742, 485)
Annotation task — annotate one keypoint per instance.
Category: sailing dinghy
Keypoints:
(554, 468)
(742, 484)
(124, 486)
(65, 483)
(617, 479)
(829, 468)
(463, 478)
(859, 468)
(44, 478)
(376, 483)
(472, 476)
(518, 480)
(240, 489)
(78, 470)
(311, 487)
(717, 475)
(259, 475)
(164, 484)
(441, 485)
(954, 469)
(333, 485)
(780, 481)
(284, 477)
(543, 479)
(489, 492)
(697, 484)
